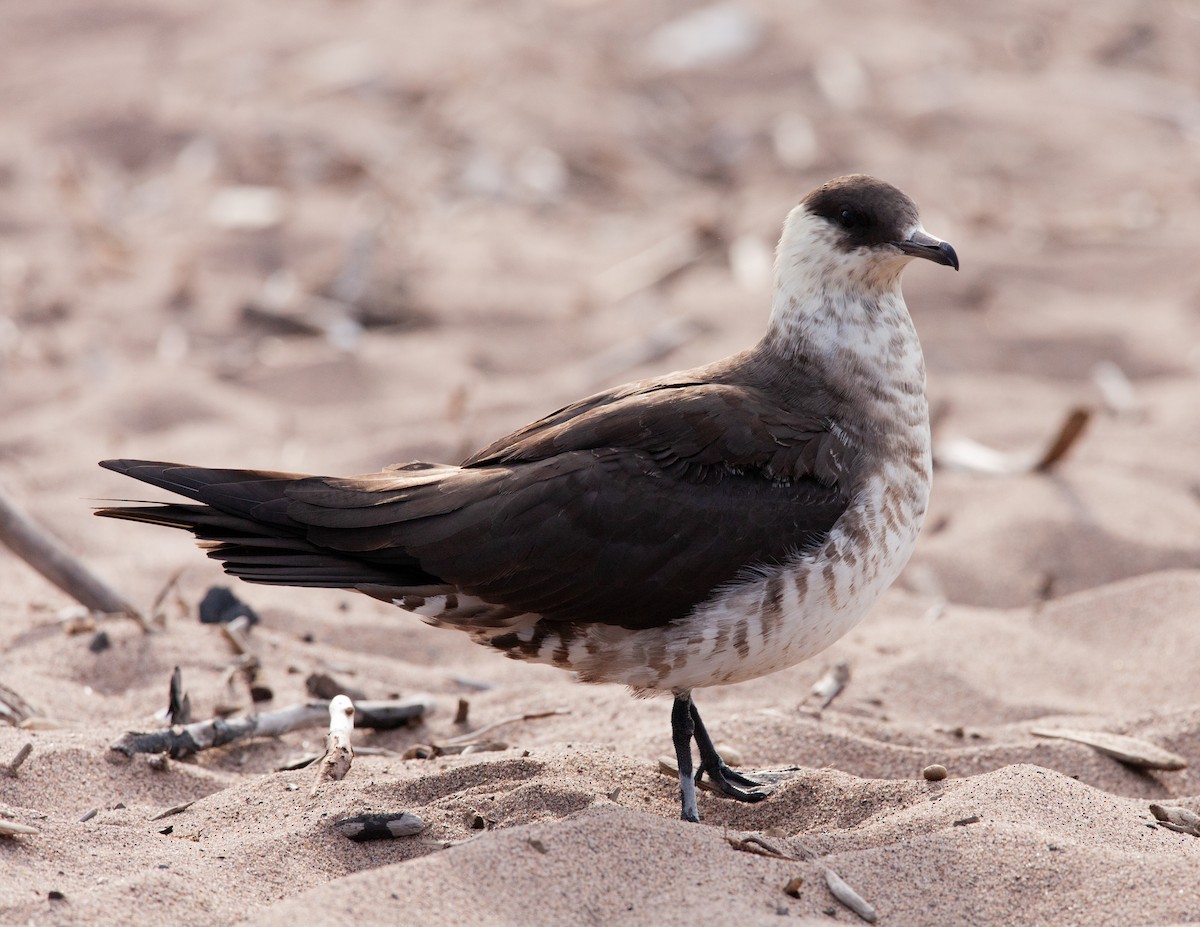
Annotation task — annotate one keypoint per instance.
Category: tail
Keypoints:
(241, 519)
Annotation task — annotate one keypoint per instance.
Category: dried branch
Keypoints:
(1180, 820)
(12, 828)
(46, 554)
(1068, 433)
(849, 897)
(339, 753)
(204, 735)
(759, 847)
(488, 728)
(973, 457)
(237, 631)
(9, 769)
(13, 708)
(1131, 751)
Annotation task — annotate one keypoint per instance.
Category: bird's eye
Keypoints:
(849, 218)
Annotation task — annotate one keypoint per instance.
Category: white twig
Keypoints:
(339, 753)
(840, 890)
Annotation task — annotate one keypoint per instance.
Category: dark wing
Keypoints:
(628, 508)
(242, 520)
(687, 423)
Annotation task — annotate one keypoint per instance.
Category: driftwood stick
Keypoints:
(840, 890)
(37, 547)
(204, 735)
(1068, 433)
(339, 753)
(158, 614)
(10, 768)
(488, 728)
(237, 632)
(13, 708)
(12, 828)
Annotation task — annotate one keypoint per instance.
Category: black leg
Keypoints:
(686, 726)
(682, 713)
(724, 778)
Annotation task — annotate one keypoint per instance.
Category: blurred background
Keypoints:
(329, 235)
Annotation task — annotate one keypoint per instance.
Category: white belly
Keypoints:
(777, 618)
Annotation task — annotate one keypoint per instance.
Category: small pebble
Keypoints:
(935, 773)
(731, 755)
(793, 886)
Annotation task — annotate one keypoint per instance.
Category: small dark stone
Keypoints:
(221, 606)
(322, 685)
(169, 829)
(55, 895)
(100, 642)
(261, 693)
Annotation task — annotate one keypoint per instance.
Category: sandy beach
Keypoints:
(334, 235)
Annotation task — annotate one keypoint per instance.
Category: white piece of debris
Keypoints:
(842, 891)
(339, 753)
(715, 34)
(246, 208)
(830, 686)
(13, 829)
(751, 262)
(1180, 820)
(794, 140)
(842, 80)
(1131, 751)
(1116, 390)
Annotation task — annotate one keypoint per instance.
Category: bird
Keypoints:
(700, 528)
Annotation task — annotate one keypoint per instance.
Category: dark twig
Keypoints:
(759, 847)
(179, 706)
(1068, 433)
(174, 809)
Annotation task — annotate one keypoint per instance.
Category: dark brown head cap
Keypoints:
(865, 210)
